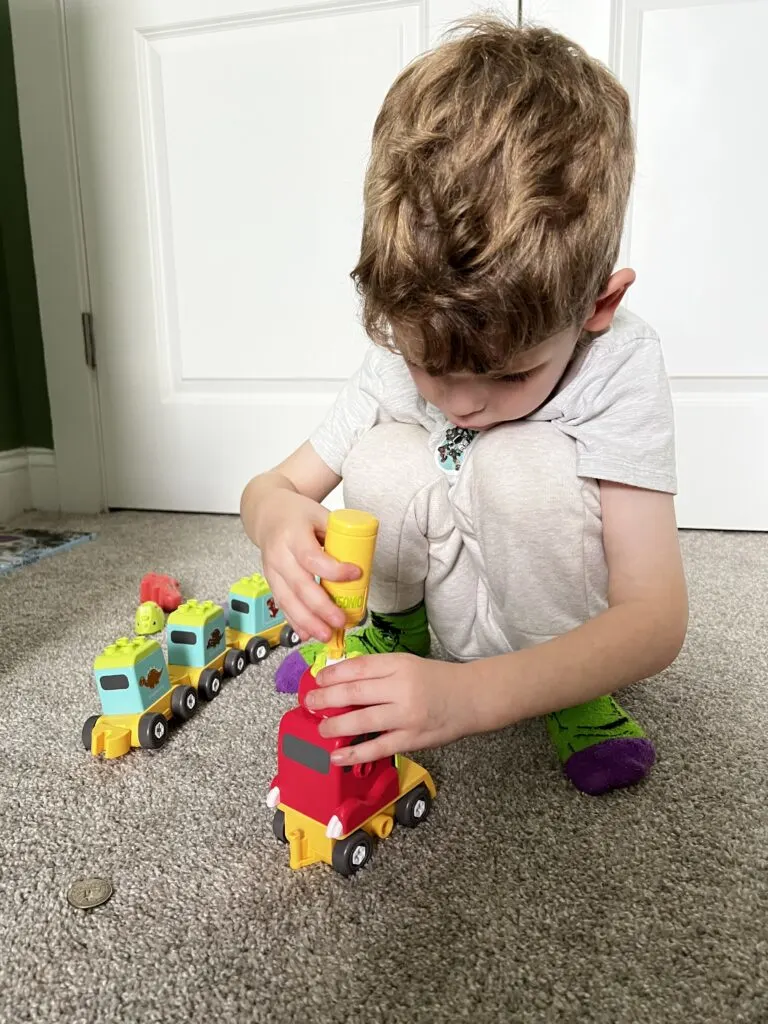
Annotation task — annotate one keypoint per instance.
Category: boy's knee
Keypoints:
(539, 530)
(530, 467)
(388, 465)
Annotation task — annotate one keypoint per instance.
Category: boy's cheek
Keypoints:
(518, 405)
(514, 407)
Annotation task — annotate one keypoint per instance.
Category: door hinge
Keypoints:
(88, 340)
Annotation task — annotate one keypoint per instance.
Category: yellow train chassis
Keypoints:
(114, 735)
(240, 640)
(307, 839)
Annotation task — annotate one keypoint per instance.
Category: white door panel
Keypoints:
(587, 22)
(696, 227)
(221, 148)
(275, 158)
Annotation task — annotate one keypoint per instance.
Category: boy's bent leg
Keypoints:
(390, 473)
(538, 532)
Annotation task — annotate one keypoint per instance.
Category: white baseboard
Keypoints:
(15, 490)
(43, 479)
(28, 480)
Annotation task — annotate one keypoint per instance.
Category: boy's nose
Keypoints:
(465, 400)
(468, 407)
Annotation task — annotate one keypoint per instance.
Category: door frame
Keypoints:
(53, 196)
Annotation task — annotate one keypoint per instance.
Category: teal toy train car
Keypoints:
(198, 647)
(255, 623)
(138, 698)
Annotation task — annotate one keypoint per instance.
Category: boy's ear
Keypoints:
(602, 315)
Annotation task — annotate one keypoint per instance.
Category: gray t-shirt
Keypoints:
(614, 401)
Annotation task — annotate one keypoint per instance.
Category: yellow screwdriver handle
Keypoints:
(350, 537)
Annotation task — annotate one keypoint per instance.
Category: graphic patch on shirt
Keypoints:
(450, 453)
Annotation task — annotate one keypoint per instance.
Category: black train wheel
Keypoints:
(414, 807)
(352, 853)
(153, 730)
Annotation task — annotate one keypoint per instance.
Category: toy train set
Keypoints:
(324, 812)
(141, 689)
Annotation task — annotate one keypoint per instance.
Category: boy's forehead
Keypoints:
(529, 358)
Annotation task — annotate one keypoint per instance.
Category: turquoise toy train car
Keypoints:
(255, 623)
(198, 647)
(138, 698)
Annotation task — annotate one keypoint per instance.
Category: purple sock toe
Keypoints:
(610, 764)
(290, 672)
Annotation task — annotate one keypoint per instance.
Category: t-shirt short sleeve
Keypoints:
(620, 414)
(353, 413)
(382, 390)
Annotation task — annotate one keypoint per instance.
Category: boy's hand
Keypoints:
(291, 529)
(415, 703)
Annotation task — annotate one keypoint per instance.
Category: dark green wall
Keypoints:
(25, 417)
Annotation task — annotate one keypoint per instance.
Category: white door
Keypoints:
(221, 147)
(696, 232)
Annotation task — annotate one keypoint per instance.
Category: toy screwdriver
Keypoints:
(350, 537)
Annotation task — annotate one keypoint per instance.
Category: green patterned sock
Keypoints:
(397, 632)
(578, 728)
(600, 746)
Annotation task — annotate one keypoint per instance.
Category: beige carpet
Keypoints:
(520, 900)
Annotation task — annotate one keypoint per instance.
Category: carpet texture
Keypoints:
(520, 900)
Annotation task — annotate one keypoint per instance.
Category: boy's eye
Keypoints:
(512, 378)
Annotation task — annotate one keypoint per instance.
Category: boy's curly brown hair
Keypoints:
(494, 198)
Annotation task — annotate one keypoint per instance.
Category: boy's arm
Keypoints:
(282, 514)
(313, 470)
(639, 635)
(303, 472)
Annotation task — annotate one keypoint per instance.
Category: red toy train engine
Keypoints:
(332, 813)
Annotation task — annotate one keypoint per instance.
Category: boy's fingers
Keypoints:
(308, 626)
(383, 746)
(360, 693)
(327, 568)
(369, 666)
(378, 718)
(300, 617)
(311, 594)
(319, 603)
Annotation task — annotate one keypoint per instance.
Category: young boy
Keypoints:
(511, 428)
